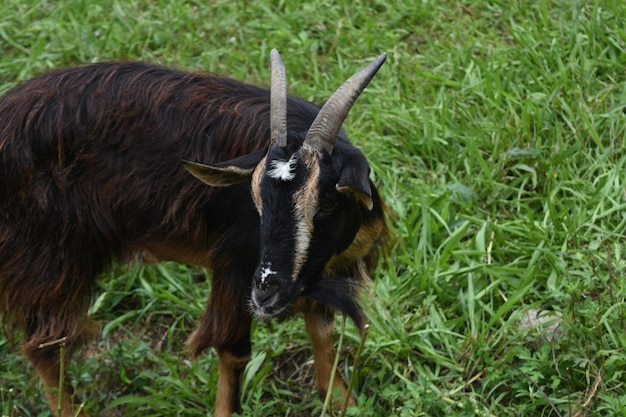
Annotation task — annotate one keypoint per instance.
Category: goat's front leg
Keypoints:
(233, 361)
(226, 325)
(319, 322)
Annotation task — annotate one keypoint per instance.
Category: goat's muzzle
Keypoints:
(270, 295)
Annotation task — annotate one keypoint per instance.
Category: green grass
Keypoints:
(495, 131)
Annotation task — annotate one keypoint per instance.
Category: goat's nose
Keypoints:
(265, 291)
(266, 297)
(264, 284)
(264, 278)
(266, 287)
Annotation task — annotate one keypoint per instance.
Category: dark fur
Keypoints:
(91, 173)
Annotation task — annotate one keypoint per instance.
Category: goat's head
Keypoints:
(309, 199)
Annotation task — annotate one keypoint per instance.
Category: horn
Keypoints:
(278, 101)
(323, 132)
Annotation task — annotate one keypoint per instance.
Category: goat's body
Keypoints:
(90, 173)
(97, 186)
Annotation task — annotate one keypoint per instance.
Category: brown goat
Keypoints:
(91, 174)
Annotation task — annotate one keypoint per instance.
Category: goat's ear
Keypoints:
(355, 180)
(224, 174)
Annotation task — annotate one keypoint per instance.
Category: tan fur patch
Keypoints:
(359, 247)
(255, 184)
(320, 330)
(310, 155)
(228, 383)
(305, 206)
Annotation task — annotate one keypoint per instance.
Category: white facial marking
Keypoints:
(305, 207)
(283, 170)
(266, 271)
(303, 241)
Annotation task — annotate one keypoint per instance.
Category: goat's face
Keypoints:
(308, 202)
(309, 198)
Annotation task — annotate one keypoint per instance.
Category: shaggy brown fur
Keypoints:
(91, 173)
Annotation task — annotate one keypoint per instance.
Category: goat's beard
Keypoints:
(341, 293)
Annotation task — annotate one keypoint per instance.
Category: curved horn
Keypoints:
(324, 130)
(278, 101)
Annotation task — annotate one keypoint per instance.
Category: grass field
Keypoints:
(496, 135)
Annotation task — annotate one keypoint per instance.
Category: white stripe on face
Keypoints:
(266, 271)
(305, 206)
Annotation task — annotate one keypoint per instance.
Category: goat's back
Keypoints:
(90, 171)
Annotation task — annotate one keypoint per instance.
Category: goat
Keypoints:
(92, 171)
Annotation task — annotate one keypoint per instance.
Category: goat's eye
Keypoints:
(328, 207)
